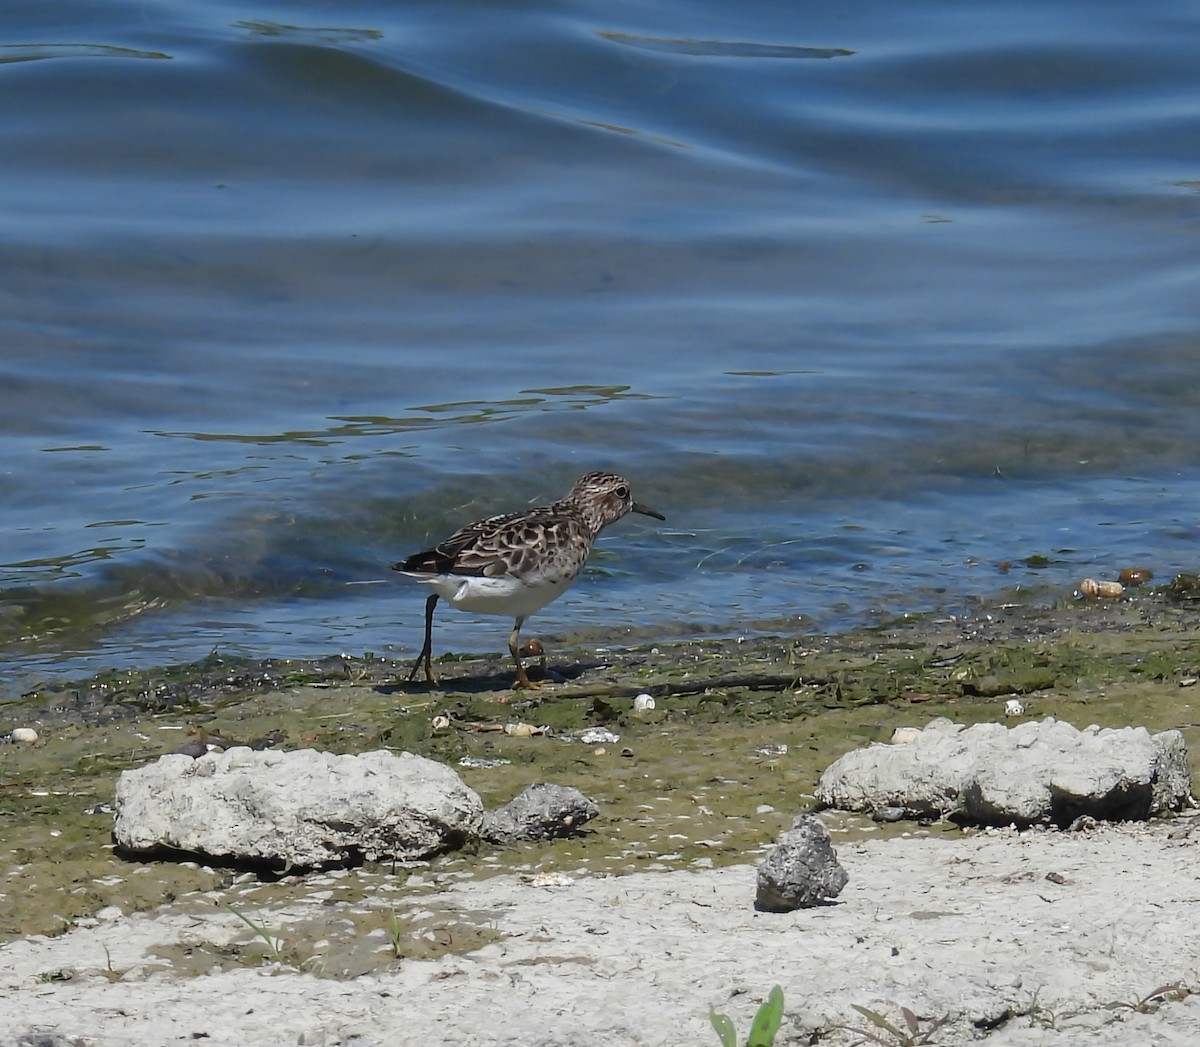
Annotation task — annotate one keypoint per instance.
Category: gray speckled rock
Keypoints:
(1044, 772)
(303, 808)
(540, 812)
(801, 871)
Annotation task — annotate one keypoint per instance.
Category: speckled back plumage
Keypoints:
(553, 539)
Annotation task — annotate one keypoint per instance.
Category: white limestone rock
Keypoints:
(1045, 772)
(304, 808)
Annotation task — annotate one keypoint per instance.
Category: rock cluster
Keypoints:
(310, 809)
(1044, 772)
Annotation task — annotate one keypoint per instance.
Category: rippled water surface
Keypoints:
(864, 298)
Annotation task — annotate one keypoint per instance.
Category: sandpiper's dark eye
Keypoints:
(622, 491)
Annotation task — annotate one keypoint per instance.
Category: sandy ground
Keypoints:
(1037, 938)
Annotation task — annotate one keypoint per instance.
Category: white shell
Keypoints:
(24, 735)
(642, 703)
(1092, 587)
(1013, 707)
(550, 879)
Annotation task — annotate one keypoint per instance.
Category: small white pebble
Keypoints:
(24, 735)
(1014, 708)
(551, 879)
(905, 735)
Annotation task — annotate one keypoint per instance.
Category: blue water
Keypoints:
(864, 298)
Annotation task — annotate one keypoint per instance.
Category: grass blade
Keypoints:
(879, 1021)
(724, 1027)
(767, 1021)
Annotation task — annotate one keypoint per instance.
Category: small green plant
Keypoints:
(395, 935)
(1039, 1015)
(762, 1031)
(888, 1034)
(1148, 1004)
(273, 944)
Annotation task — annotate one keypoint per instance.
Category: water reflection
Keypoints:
(435, 416)
(309, 34)
(721, 48)
(35, 52)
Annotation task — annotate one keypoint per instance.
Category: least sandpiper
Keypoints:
(517, 563)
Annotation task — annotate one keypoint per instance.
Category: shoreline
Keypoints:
(691, 791)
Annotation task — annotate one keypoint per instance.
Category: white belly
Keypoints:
(507, 596)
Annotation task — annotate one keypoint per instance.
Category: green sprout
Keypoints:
(273, 944)
(762, 1032)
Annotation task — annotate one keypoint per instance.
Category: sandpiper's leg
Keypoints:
(514, 643)
(424, 657)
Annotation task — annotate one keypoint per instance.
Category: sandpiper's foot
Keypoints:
(522, 679)
(429, 677)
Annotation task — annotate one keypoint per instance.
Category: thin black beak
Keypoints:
(637, 507)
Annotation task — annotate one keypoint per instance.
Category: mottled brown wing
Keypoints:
(487, 547)
(514, 543)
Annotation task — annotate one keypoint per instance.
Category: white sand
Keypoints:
(967, 927)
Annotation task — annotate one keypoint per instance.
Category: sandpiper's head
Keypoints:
(604, 498)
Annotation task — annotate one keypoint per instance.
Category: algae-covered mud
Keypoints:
(737, 736)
